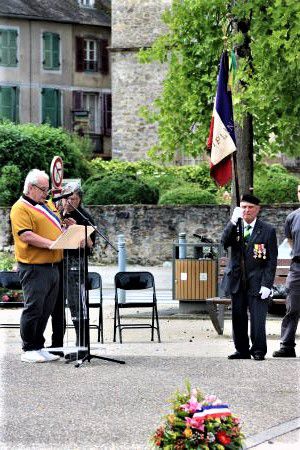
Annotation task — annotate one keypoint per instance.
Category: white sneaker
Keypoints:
(48, 356)
(33, 356)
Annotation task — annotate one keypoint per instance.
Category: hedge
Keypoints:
(30, 146)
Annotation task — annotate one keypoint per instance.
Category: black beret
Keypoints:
(250, 199)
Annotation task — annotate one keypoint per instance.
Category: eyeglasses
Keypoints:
(44, 190)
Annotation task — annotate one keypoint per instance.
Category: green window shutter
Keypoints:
(9, 103)
(51, 107)
(55, 50)
(51, 44)
(8, 48)
(58, 108)
(17, 104)
(13, 34)
(47, 61)
(4, 48)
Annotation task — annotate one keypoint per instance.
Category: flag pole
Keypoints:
(222, 142)
(240, 234)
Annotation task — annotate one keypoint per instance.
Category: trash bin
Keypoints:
(195, 280)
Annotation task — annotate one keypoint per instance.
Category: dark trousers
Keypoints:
(290, 321)
(58, 316)
(258, 308)
(40, 284)
(75, 295)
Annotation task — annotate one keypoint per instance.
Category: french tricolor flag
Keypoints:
(215, 411)
(221, 140)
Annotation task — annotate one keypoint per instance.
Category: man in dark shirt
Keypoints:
(73, 276)
(290, 321)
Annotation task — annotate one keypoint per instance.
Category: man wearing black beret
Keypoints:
(255, 254)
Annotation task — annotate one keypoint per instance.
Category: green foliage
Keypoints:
(189, 194)
(10, 183)
(273, 184)
(7, 261)
(163, 177)
(30, 146)
(267, 88)
(163, 182)
(184, 184)
(273, 82)
(118, 189)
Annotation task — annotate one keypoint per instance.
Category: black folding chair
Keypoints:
(130, 281)
(95, 282)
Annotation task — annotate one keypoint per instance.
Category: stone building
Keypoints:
(135, 25)
(54, 65)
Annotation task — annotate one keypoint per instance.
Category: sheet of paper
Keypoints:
(72, 237)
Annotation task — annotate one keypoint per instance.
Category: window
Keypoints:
(92, 55)
(51, 107)
(89, 3)
(8, 48)
(9, 103)
(51, 51)
(99, 108)
(91, 104)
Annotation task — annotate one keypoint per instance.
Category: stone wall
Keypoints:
(135, 24)
(151, 230)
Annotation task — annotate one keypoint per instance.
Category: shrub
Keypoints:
(30, 146)
(163, 182)
(273, 184)
(197, 174)
(188, 195)
(159, 176)
(7, 261)
(10, 183)
(118, 190)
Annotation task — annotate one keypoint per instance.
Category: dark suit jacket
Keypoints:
(259, 271)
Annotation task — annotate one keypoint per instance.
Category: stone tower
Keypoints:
(135, 25)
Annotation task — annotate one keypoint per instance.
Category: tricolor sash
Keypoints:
(45, 211)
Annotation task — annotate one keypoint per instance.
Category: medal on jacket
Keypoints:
(256, 251)
(259, 251)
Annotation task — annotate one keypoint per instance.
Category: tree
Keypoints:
(268, 76)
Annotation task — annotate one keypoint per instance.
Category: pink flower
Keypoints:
(192, 405)
(5, 298)
(195, 422)
(212, 400)
(194, 392)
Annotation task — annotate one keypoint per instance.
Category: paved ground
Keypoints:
(110, 406)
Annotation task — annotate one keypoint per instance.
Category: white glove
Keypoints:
(264, 292)
(236, 215)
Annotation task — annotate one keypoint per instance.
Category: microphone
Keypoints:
(60, 197)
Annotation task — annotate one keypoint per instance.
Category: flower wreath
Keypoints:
(198, 422)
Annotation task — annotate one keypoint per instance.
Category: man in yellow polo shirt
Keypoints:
(35, 226)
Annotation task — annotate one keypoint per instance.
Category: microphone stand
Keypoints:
(89, 356)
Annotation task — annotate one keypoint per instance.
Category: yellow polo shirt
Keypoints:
(27, 215)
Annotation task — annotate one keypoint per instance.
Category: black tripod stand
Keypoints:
(88, 355)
